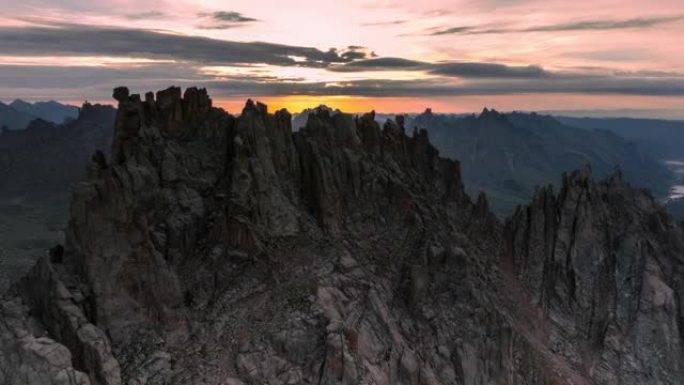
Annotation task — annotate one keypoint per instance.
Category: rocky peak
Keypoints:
(492, 114)
(171, 114)
(90, 112)
(323, 107)
(20, 105)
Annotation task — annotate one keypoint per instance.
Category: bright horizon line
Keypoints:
(415, 105)
(645, 113)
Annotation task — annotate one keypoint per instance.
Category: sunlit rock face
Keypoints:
(210, 249)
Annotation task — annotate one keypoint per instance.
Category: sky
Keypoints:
(591, 56)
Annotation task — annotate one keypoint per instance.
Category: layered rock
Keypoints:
(219, 250)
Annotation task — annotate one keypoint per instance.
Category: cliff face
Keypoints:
(603, 264)
(219, 250)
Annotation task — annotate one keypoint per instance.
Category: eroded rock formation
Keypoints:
(603, 264)
(212, 249)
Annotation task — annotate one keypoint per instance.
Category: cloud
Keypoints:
(76, 77)
(225, 20)
(587, 25)
(380, 64)
(92, 83)
(613, 55)
(96, 83)
(420, 15)
(607, 24)
(449, 69)
(452, 30)
(230, 17)
(65, 39)
(384, 23)
(356, 52)
(650, 74)
(146, 15)
(70, 39)
(488, 70)
(187, 55)
(218, 26)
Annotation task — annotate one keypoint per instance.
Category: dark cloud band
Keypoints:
(89, 40)
(188, 54)
(149, 15)
(230, 17)
(587, 25)
(93, 81)
(450, 69)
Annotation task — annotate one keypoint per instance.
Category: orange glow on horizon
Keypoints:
(464, 103)
(662, 107)
(350, 104)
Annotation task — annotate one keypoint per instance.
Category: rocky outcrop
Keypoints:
(211, 249)
(602, 262)
(28, 356)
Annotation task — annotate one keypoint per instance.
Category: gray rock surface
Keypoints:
(219, 250)
(603, 263)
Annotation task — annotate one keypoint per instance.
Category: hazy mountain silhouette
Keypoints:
(508, 155)
(51, 111)
(663, 138)
(18, 114)
(14, 119)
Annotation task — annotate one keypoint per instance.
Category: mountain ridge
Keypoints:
(51, 111)
(12, 119)
(530, 150)
(664, 138)
(217, 249)
(18, 114)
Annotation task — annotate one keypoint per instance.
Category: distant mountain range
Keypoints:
(507, 155)
(18, 114)
(44, 158)
(14, 119)
(664, 139)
